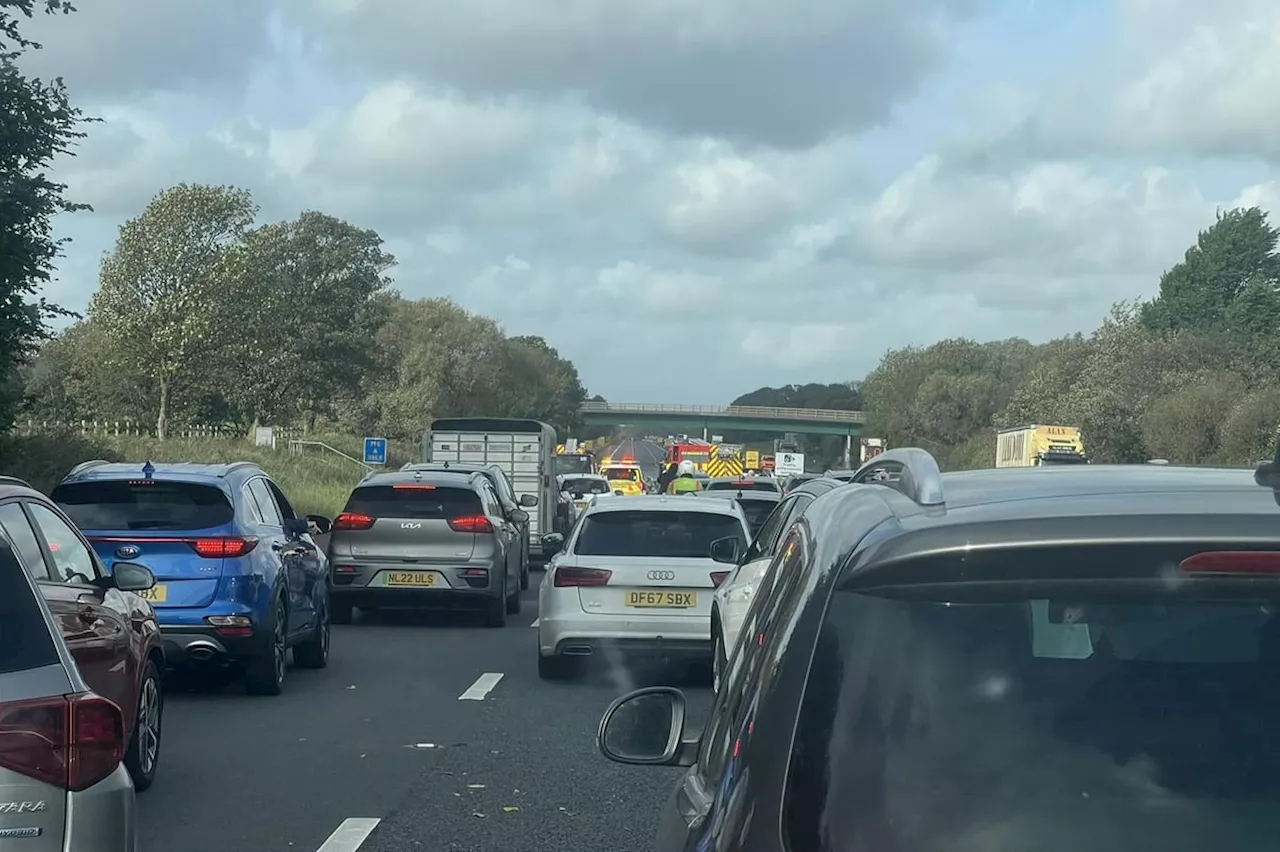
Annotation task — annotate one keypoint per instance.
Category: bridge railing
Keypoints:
(746, 411)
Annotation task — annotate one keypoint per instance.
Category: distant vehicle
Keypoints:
(426, 539)
(525, 449)
(756, 504)
(992, 659)
(625, 476)
(566, 463)
(794, 481)
(62, 745)
(1035, 446)
(240, 581)
(742, 483)
(635, 579)
(574, 491)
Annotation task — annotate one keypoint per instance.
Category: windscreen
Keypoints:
(1039, 725)
(743, 485)
(613, 474)
(695, 456)
(573, 464)
(685, 535)
(154, 504)
(414, 501)
(25, 640)
(586, 485)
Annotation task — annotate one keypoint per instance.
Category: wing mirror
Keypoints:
(646, 727)
(132, 577)
(528, 500)
(519, 516)
(726, 550)
(319, 525)
(552, 543)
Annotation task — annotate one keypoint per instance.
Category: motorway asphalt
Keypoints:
(433, 731)
(647, 454)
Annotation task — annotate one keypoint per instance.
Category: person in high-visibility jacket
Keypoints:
(685, 482)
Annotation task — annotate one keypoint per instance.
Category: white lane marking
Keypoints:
(482, 687)
(535, 622)
(349, 836)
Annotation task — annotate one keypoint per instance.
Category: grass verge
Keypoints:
(316, 481)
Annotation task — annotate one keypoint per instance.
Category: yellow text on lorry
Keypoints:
(1035, 446)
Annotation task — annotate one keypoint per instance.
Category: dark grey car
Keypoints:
(417, 539)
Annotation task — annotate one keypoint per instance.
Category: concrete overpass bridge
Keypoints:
(725, 418)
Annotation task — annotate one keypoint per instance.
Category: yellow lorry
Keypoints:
(1035, 446)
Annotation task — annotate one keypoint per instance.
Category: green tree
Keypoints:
(172, 292)
(307, 335)
(541, 385)
(37, 124)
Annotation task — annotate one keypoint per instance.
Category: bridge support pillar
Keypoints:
(705, 432)
(848, 452)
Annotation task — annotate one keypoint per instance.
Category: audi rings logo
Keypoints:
(661, 575)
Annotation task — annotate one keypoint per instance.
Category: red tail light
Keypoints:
(471, 524)
(72, 741)
(1233, 562)
(567, 576)
(217, 548)
(717, 577)
(353, 521)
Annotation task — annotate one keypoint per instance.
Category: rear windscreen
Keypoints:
(25, 640)
(385, 501)
(616, 473)
(144, 505)
(586, 486)
(573, 464)
(1040, 725)
(744, 485)
(671, 534)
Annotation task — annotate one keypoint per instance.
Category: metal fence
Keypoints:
(148, 429)
(759, 412)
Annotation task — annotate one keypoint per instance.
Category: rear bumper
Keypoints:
(187, 646)
(378, 597)
(103, 818)
(588, 635)
(362, 587)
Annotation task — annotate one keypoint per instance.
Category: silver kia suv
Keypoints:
(418, 539)
(63, 783)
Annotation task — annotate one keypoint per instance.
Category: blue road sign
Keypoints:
(375, 450)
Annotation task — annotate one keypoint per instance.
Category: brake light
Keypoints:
(568, 576)
(72, 741)
(217, 548)
(745, 483)
(353, 521)
(414, 487)
(471, 524)
(717, 577)
(1233, 562)
(135, 482)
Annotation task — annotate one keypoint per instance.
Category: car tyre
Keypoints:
(143, 756)
(495, 609)
(341, 612)
(264, 674)
(314, 653)
(513, 601)
(556, 668)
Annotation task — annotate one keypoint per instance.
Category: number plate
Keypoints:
(663, 600)
(413, 579)
(155, 594)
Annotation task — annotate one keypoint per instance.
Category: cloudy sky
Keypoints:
(793, 186)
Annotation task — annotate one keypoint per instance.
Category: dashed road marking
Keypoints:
(535, 622)
(482, 687)
(349, 836)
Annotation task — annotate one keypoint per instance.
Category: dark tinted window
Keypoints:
(25, 641)
(743, 485)
(757, 512)
(671, 534)
(615, 473)
(586, 486)
(414, 501)
(1048, 725)
(23, 539)
(144, 505)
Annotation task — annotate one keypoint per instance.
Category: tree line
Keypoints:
(1192, 375)
(203, 316)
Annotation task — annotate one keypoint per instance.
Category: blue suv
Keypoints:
(239, 580)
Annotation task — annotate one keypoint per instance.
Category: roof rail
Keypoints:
(918, 475)
(13, 480)
(85, 465)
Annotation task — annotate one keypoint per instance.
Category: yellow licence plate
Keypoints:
(663, 600)
(410, 578)
(155, 594)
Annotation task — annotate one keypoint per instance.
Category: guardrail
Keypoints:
(745, 411)
(296, 448)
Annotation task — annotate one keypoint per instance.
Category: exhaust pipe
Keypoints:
(201, 651)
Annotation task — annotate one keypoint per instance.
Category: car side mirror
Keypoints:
(528, 500)
(726, 550)
(519, 516)
(132, 577)
(552, 543)
(295, 527)
(646, 728)
(319, 525)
